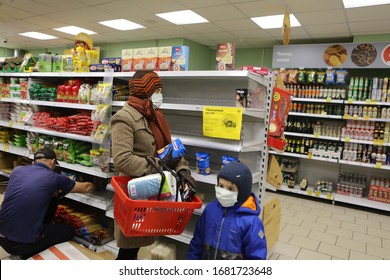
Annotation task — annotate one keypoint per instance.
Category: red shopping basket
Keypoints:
(149, 217)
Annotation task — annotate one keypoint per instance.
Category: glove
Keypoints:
(188, 185)
(168, 160)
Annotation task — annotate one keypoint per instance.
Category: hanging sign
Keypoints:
(335, 55)
(222, 122)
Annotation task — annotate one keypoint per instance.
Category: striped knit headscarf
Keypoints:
(144, 84)
(141, 87)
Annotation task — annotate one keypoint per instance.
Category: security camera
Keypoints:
(5, 41)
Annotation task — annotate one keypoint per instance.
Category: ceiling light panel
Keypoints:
(182, 17)
(275, 21)
(38, 35)
(121, 24)
(74, 30)
(364, 3)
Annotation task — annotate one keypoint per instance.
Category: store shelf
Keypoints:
(20, 151)
(366, 165)
(378, 143)
(304, 156)
(11, 124)
(304, 135)
(98, 200)
(5, 173)
(318, 100)
(364, 201)
(367, 102)
(63, 105)
(63, 135)
(315, 115)
(367, 119)
(14, 100)
(309, 192)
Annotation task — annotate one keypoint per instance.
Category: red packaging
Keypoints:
(258, 70)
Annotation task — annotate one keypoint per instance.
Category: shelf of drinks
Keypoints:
(339, 101)
(248, 114)
(218, 143)
(50, 103)
(346, 139)
(316, 136)
(376, 142)
(363, 201)
(317, 100)
(323, 116)
(310, 157)
(100, 200)
(22, 151)
(346, 162)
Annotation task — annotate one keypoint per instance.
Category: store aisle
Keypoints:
(317, 230)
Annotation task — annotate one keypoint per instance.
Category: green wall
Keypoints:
(201, 56)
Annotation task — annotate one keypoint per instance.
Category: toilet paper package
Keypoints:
(147, 187)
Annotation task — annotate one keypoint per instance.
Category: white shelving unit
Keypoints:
(328, 169)
(186, 94)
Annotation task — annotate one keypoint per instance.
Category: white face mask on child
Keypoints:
(157, 99)
(225, 197)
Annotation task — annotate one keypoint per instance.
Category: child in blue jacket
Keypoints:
(230, 227)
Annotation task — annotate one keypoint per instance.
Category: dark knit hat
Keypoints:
(239, 174)
(144, 83)
(45, 153)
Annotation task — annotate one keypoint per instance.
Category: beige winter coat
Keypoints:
(132, 141)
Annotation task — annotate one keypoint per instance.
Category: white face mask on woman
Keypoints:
(157, 98)
(225, 197)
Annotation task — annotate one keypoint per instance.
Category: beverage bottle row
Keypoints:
(316, 91)
(316, 109)
(362, 88)
(366, 153)
(367, 111)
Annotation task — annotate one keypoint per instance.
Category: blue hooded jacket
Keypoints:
(232, 233)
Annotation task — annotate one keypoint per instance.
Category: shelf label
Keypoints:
(347, 116)
(222, 122)
(374, 101)
(11, 123)
(350, 100)
(347, 139)
(317, 193)
(316, 135)
(378, 142)
(310, 156)
(6, 147)
(329, 196)
(355, 117)
(309, 192)
(329, 99)
(368, 101)
(365, 118)
(378, 165)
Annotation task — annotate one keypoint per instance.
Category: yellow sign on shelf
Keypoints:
(222, 122)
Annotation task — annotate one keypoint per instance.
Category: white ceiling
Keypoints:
(229, 21)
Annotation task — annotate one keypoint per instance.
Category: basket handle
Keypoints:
(151, 162)
(174, 174)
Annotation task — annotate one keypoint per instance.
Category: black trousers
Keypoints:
(51, 234)
(127, 254)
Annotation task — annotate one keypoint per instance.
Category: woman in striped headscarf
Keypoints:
(140, 129)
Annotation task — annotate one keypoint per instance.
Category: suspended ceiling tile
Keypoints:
(246, 34)
(323, 17)
(222, 36)
(368, 13)
(59, 4)
(44, 21)
(218, 13)
(15, 13)
(372, 27)
(123, 9)
(298, 6)
(203, 28)
(328, 29)
(156, 7)
(262, 8)
(238, 24)
(191, 4)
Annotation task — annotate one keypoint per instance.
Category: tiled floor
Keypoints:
(317, 230)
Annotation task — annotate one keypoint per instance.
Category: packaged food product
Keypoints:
(203, 163)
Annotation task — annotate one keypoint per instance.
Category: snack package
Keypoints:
(203, 163)
(280, 107)
(178, 150)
